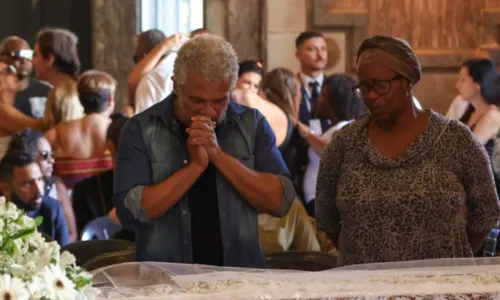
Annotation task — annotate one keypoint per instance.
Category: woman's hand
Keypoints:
(303, 129)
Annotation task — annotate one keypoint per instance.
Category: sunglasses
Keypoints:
(46, 155)
(10, 69)
(22, 54)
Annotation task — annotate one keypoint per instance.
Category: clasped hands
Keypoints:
(202, 141)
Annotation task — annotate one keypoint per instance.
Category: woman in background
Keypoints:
(476, 84)
(249, 76)
(80, 145)
(340, 105)
(282, 88)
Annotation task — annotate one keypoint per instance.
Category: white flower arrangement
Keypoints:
(30, 267)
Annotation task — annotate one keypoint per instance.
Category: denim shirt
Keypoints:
(151, 149)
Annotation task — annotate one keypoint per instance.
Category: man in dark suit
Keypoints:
(313, 55)
(22, 183)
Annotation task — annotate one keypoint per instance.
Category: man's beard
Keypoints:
(29, 206)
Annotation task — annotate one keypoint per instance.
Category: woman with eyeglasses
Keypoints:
(402, 183)
(33, 141)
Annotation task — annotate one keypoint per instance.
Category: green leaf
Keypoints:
(21, 233)
(81, 282)
(10, 248)
(38, 221)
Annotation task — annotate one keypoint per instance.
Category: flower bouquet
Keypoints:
(32, 268)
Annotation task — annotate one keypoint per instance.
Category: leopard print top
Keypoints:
(409, 208)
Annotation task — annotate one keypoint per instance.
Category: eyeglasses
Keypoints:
(46, 155)
(381, 87)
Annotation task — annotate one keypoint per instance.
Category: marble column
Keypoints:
(114, 30)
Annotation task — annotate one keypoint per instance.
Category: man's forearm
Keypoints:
(158, 199)
(263, 191)
(147, 64)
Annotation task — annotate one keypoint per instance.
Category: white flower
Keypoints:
(66, 259)
(36, 240)
(57, 285)
(13, 288)
(2, 201)
(35, 287)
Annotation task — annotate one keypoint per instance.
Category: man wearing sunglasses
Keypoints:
(32, 94)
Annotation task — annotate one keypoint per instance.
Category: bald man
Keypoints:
(32, 94)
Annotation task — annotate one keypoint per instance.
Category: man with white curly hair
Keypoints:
(194, 170)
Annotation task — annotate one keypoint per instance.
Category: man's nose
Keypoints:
(208, 110)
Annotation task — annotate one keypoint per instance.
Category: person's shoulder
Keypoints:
(51, 204)
(454, 131)
(493, 114)
(40, 85)
(352, 129)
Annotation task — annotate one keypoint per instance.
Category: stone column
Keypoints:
(114, 31)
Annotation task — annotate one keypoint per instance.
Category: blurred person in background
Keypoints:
(32, 94)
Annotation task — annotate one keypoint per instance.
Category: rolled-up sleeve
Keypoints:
(268, 159)
(132, 174)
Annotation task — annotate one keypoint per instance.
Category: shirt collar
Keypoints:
(306, 79)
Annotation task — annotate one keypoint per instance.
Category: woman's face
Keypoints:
(249, 81)
(467, 88)
(45, 157)
(387, 94)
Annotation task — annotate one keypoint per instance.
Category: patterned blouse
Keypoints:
(417, 206)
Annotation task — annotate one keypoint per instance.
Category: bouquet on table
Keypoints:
(32, 268)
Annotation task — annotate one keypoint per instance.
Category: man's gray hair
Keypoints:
(211, 56)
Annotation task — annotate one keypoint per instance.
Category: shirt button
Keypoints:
(185, 161)
(184, 212)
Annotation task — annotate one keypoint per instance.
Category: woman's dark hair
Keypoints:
(62, 44)
(341, 98)
(484, 73)
(280, 88)
(250, 65)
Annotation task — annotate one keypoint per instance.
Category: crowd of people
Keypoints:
(213, 160)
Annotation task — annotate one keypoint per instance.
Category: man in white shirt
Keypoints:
(312, 53)
(489, 51)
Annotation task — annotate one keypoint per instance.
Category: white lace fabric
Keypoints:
(433, 279)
